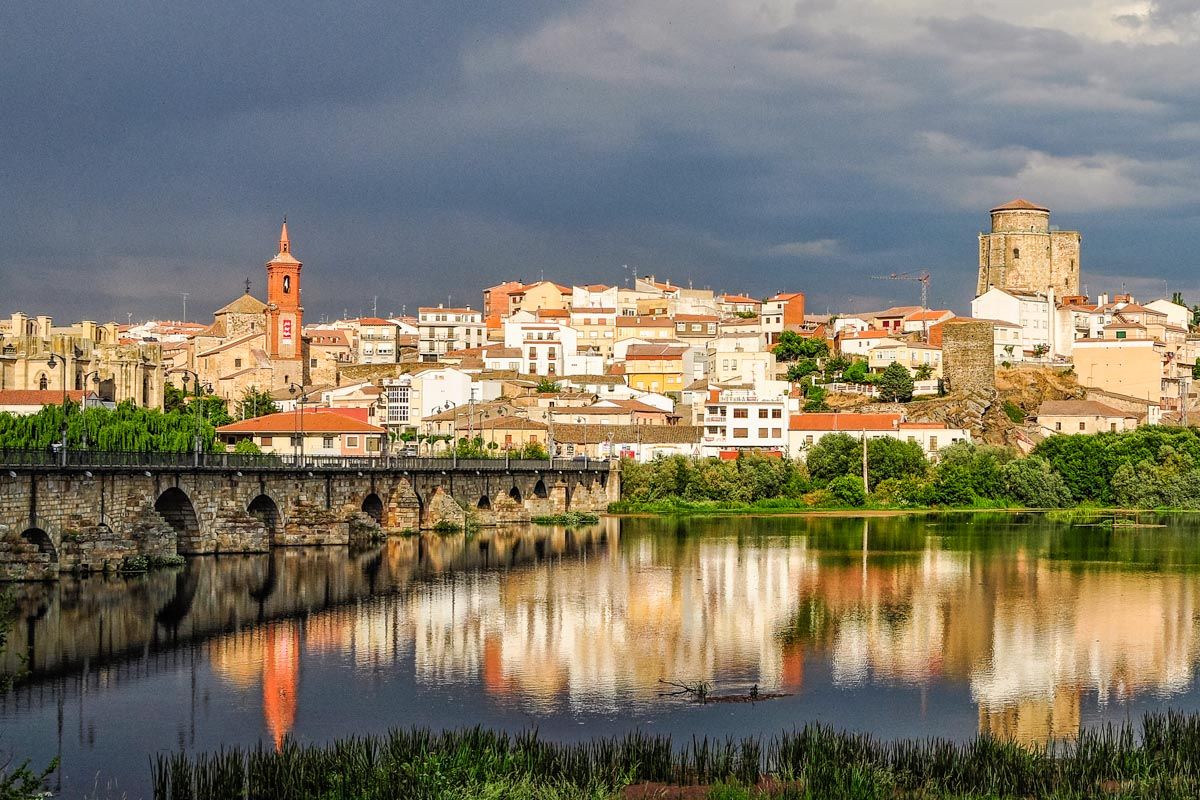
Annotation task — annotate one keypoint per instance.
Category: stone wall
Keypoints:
(65, 521)
(967, 356)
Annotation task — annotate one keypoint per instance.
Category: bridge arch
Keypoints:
(176, 508)
(539, 489)
(372, 506)
(515, 493)
(266, 510)
(39, 537)
(485, 503)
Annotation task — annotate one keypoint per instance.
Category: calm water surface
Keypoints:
(909, 626)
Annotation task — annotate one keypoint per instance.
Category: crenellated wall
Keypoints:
(56, 520)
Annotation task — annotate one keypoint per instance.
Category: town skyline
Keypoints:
(835, 142)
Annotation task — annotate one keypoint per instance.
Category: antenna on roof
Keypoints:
(247, 286)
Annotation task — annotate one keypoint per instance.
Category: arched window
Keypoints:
(1016, 252)
(43, 383)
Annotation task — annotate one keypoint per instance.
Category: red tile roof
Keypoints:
(843, 422)
(313, 420)
(1020, 204)
(37, 397)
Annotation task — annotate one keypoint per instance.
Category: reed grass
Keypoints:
(1158, 758)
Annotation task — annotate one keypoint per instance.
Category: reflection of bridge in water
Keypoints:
(103, 621)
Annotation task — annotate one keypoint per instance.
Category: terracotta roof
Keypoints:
(424, 309)
(246, 304)
(310, 421)
(328, 338)
(653, 351)
(553, 312)
(503, 352)
(1078, 408)
(373, 321)
(697, 318)
(585, 310)
(571, 433)
(786, 296)
(37, 397)
(507, 424)
(739, 298)
(843, 422)
(897, 311)
(872, 334)
(922, 316)
(1020, 204)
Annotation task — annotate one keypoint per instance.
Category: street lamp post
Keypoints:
(95, 376)
(195, 376)
(293, 388)
(57, 362)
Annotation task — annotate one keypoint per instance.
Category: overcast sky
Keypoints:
(423, 150)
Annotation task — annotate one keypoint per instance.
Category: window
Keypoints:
(1081, 426)
(312, 362)
(1120, 334)
(777, 433)
(776, 413)
(741, 433)
(295, 441)
(351, 441)
(762, 413)
(1016, 252)
(741, 413)
(763, 433)
(43, 384)
(1058, 426)
(327, 442)
(933, 444)
(808, 439)
(237, 363)
(265, 441)
(1112, 427)
(373, 444)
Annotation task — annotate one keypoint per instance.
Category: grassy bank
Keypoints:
(571, 518)
(1158, 758)
(681, 507)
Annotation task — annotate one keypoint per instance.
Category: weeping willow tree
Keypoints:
(124, 428)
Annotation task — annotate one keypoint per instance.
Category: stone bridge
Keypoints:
(75, 515)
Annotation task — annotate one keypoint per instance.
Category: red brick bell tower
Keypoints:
(285, 315)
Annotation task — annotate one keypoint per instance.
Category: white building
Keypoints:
(410, 398)
(805, 430)
(543, 346)
(739, 420)
(1034, 313)
(444, 329)
(858, 345)
(378, 341)
(739, 359)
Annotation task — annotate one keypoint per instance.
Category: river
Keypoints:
(1013, 624)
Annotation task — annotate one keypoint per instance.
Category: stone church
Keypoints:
(1024, 252)
(252, 343)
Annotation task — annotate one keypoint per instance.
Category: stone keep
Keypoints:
(1023, 252)
(968, 356)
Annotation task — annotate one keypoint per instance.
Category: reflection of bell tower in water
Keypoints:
(285, 315)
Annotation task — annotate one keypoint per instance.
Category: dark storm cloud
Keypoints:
(429, 149)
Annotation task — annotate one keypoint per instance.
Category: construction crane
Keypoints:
(921, 277)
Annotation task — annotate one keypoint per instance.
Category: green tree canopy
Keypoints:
(895, 384)
(256, 403)
(793, 347)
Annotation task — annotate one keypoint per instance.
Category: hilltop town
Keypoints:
(646, 369)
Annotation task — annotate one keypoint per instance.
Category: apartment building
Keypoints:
(746, 420)
(441, 330)
(782, 312)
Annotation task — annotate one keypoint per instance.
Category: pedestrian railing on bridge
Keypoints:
(104, 459)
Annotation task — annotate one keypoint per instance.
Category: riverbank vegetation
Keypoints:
(1151, 467)
(570, 519)
(1159, 758)
(125, 428)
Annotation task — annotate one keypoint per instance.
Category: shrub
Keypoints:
(848, 491)
(1031, 482)
(907, 492)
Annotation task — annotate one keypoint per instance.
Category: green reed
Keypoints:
(1158, 758)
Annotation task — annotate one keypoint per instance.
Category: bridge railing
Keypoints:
(101, 459)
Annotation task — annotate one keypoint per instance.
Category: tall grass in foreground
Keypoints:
(1160, 759)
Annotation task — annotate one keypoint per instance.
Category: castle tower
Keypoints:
(1025, 252)
(285, 314)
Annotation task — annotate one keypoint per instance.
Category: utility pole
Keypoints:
(866, 486)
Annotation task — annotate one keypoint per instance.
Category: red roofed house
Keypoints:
(805, 430)
(783, 312)
(730, 304)
(922, 321)
(31, 401)
(318, 432)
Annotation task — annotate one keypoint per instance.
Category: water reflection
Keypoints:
(1045, 625)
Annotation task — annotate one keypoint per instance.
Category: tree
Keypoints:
(173, 398)
(835, 365)
(255, 403)
(547, 386)
(815, 399)
(856, 372)
(1177, 299)
(848, 490)
(834, 455)
(533, 451)
(889, 458)
(1040, 350)
(801, 369)
(793, 347)
(924, 372)
(895, 384)
(1196, 370)
(1032, 482)
(247, 447)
